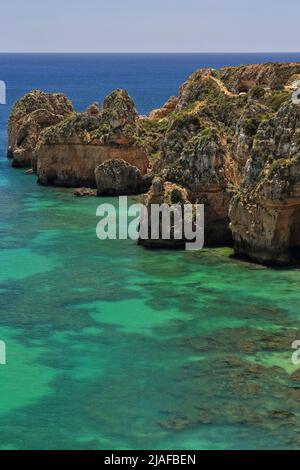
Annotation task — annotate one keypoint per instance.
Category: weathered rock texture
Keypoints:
(68, 153)
(194, 152)
(167, 194)
(271, 75)
(85, 192)
(166, 109)
(228, 130)
(30, 115)
(265, 213)
(117, 177)
(230, 140)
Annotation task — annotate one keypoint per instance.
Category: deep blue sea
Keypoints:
(111, 346)
(149, 78)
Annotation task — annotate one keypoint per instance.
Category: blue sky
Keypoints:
(149, 26)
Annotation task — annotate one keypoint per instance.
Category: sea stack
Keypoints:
(29, 117)
(230, 140)
(68, 153)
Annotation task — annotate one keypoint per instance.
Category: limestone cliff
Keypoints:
(117, 177)
(229, 140)
(167, 194)
(265, 212)
(30, 115)
(227, 128)
(271, 75)
(68, 153)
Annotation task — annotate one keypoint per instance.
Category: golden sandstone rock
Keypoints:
(230, 140)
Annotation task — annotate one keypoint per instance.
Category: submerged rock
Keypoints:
(117, 177)
(83, 192)
(248, 389)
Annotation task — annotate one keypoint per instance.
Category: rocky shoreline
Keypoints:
(230, 140)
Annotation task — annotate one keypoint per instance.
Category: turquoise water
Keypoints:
(111, 346)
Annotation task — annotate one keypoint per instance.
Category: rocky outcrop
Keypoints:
(199, 86)
(85, 192)
(230, 141)
(265, 212)
(271, 75)
(195, 151)
(68, 153)
(246, 127)
(93, 109)
(166, 109)
(117, 177)
(214, 133)
(30, 115)
(194, 155)
(168, 194)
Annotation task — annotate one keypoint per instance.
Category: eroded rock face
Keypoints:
(117, 177)
(272, 75)
(265, 213)
(119, 110)
(68, 153)
(246, 127)
(165, 110)
(195, 156)
(30, 115)
(213, 144)
(169, 194)
(93, 109)
(195, 152)
(199, 85)
(230, 140)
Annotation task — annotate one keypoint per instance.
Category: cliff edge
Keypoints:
(230, 140)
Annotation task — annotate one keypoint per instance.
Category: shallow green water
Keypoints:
(113, 346)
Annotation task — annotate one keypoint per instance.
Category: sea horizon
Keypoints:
(149, 52)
